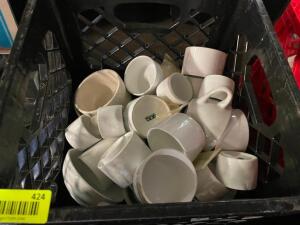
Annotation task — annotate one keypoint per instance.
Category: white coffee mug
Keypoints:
(209, 188)
(201, 61)
(92, 156)
(237, 170)
(236, 134)
(84, 186)
(175, 89)
(123, 157)
(80, 133)
(145, 112)
(165, 176)
(142, 76)
(101, 88)
(212, 82)
(212, 115)
(196, 84)
(109, 121)
(180, 132)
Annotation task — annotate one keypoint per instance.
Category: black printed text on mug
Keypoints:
(150, 117)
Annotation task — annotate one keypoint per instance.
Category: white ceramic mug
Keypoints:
(201, 61)
(209, 188)
(101, 88)
(196, 84)
(123, 157)
(84, 186)
(92, 156)
(144, 113)
(212, 115)
(165, 176)
(236, 134)
(80, 133)
(142, 76)
(180, 132)
(237, 170)
(212, 82)
(175, 89)
(109, 121)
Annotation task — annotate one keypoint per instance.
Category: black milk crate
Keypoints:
(60, 42)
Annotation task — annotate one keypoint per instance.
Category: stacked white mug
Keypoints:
(146, 145)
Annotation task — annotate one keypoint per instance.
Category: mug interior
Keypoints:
(148, 112)
(218, 95)
(167, 179)
(87, 123)
(215, 81)
(104, 187)
(159, 139)
(181, 87)
(96, 90)
(140, 75)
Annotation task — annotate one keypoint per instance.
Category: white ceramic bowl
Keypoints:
(85, 186)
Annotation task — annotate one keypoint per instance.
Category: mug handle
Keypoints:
(222, 104)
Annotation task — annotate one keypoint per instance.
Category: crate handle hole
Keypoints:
(144, 13)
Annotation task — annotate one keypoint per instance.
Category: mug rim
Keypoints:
(133, 108)
(155, 129)
(145, 92)
(192, 124)
(178, 99)
(106, 197)
(206, 48)
(92, 75)
(170, 153)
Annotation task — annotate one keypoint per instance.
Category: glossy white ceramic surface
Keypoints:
(180, 132)
(142, 75)
(237, 170)
(109, 121)
(101, 88)
(176, 89)
(165, 176)
(145, 112)
(212, 115)
(80, 133)
(84, 186)
(201, 61)
(123, 157)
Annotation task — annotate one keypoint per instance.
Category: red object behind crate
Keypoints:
(287, 28)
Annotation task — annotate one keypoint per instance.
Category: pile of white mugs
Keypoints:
(164, 135)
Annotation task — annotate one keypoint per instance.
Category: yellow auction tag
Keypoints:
(24, 206)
